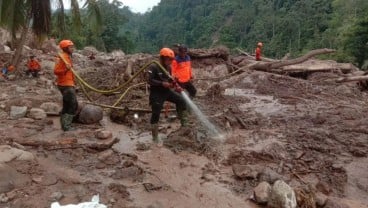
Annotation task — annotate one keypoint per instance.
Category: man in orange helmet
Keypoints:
(66, 84)
(161, 90)
(33, 66)
(182, 70)
(259, 51)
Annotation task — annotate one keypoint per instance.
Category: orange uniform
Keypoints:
(181, 69)
(65, 77)
(258, 53)
(33, 65)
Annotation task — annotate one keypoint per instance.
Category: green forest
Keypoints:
(284, 26)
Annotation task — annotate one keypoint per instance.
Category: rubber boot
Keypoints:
(154, 128)
(183, 116)
(66, 122)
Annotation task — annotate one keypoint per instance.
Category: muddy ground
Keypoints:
(307, 131)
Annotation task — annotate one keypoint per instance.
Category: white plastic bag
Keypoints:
(93, 204)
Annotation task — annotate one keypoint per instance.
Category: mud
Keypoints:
(307, 131)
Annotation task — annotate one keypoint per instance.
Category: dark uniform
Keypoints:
(159, 94)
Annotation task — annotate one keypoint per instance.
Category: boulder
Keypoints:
(37, 114)
(17, 112)
(90, 114)
(8, 153)
(282, 196)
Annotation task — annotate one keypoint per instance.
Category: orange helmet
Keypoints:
(167, 52)
(260, 44)
(65, 43)
(11, 68)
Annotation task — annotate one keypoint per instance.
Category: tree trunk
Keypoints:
(18, 52)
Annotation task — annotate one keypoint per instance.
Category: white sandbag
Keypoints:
(93, 204)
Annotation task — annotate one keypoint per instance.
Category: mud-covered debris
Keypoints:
(119, 188)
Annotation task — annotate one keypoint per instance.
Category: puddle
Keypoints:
(262, 104)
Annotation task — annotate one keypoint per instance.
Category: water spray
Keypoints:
(213, 131)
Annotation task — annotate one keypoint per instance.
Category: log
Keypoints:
(320, 67)
(70, 143)
(219, 52)
(352, 79)
(267, 66)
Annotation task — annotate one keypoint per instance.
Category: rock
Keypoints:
(51, 108)
(56, 196)
(90, 114)
(37, 114)
(104, 135)
(320, 199)
(10, 178)
(334, 203)
(262, 192)
(17, 112)
(323, 187)
(20, 89)
(11, 77)
(245, 171)
(269, 175)
(8, 153)
(282, 196)
(3, 198)
(105, 155)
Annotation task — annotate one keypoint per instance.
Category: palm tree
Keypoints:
(22, 15)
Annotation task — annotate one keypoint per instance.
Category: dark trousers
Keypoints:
(34, 73)
(157, 99)
(189, 87)
(70, 103)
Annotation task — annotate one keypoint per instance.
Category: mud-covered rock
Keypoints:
(90, 114)
(262, 192)
(103, 135)
(8, 153)
(321, 199)
(245, 171)
(51, 108)
(282, 196)
(37, 114)
(10, 178)
(17, 112)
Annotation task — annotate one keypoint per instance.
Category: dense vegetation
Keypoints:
(284, 26)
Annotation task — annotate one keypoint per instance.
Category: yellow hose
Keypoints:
(85, 85)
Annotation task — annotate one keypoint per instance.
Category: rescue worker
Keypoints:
(162, 89)
(66, 84)
(182, 70)
(259, 51)
(6, 69)
(33, 66)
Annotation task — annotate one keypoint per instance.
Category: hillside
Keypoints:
(284, 26)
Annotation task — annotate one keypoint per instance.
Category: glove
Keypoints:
(167, 84)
